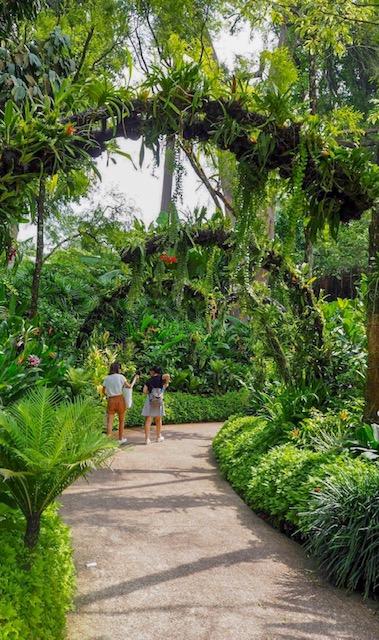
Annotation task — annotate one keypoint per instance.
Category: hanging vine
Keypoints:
(296, 203)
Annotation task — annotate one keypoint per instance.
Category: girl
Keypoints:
(154, 408)
(112, 387)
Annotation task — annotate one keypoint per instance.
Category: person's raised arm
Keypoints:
(130, 385)
(166, 380)
(135, 379)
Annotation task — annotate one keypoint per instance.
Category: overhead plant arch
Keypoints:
(337, 181)
(332, 180)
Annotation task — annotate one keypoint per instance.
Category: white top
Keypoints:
(114, 384)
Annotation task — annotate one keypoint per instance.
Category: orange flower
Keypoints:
(168, 259)
(70, 129)
(295, 433)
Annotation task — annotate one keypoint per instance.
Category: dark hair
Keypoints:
(114, 368)
(157, 370)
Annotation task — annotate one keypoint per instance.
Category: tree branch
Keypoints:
(84, 53)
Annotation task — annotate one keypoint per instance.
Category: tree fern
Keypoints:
(45, 445)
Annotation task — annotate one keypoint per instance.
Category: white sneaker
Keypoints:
(160, 439)
(123, 441)
(148, 441)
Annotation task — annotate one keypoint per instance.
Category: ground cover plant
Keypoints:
(310, 483)
(36, 590)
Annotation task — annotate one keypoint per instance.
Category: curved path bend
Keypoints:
(180, 557)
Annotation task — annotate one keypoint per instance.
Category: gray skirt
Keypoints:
(152, 412)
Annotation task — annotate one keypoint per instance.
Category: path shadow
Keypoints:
(316, 603)
(252, 553)
(98, 507)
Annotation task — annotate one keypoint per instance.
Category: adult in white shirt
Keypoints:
(113, 386)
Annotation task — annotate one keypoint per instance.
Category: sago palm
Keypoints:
(45, 445)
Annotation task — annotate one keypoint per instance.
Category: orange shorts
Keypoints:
(116, 405)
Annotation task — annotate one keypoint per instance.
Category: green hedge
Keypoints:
(282, 481)
(36, 589)
(331, 497)
(182, 408)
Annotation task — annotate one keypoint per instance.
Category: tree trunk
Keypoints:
(309, 253)
(312, 84)
(33, 525)
(312, 90)
(372, 376)
(168, 174)
(39, 247)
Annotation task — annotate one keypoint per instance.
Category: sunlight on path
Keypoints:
(180, 557)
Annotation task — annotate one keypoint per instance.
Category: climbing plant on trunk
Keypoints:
(37, 272)
(372, 375)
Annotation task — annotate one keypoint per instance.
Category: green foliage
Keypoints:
(324, 431)
(185, 408)
(342, 525)
(36, 68)
(303, 475)
(26, 359)
(281, 482)
(346, 339)
(346, 253)
(199, 358)
(36, 588)
(239, 445)
(45, 445)
(366, 441)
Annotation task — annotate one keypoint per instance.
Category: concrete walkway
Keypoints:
(180, 557)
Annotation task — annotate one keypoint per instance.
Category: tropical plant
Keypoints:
(366, 441)
(342, 525)
(45, 445)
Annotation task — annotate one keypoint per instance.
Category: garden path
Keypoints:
(180, 557)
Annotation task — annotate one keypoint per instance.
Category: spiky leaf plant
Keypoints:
(342, 526)
(45, 445)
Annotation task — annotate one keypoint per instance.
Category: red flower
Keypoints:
(70, 129)
(168, 259)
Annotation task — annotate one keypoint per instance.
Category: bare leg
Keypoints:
(158, 426)
(110, 418)
(147, 428)
(121, 425)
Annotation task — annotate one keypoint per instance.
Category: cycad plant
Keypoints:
(45, 445)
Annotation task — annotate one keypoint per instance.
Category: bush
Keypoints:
(342, 524)
(36, 588)
(323, 431)
(183, 408)
(241, 444)
(282, 481)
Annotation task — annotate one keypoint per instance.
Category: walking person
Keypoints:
(154, 405)
(113, 386)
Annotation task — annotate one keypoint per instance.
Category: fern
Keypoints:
(45, 445)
